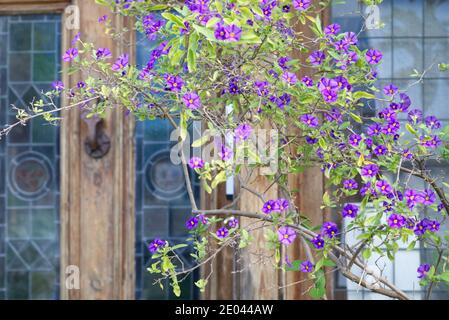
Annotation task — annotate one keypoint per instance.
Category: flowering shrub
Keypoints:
(239, 53)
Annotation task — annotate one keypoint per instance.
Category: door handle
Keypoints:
(97, 143)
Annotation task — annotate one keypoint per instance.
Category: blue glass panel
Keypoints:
(29, 161)
(162, 204)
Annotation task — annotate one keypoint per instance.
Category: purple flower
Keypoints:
(374, 129)
(174, 83)
(341, 81)
(432, 122)
(380, 150)
(341, 45)
(428, 197)
(350, 38)
(220, 32)
(307, 81)
(306, 266)
(433, 142)
(327, 84)
(289, 77)
(350, 210)
(405, 102)
(388, 114)
(390, 89)
(121, 62)
(350, 184)
(282, 62)
(352, 57)
(311, 140)
(412, 198)
(58, 85)
(191, 100)
(354, 140)
(329, 229)
(329, 96)
(243, 132)
(301, 4)
(156, 244)
(423, 270)
(186, 28)
(102, 19)
(225, 153)
(203, 219)
(76, 38)
(103, 53)
(192, 223)
(318, 242)
(261, 88)
(373, 56)
(286, 8)
(332, 29)
(414, 116)
(407, 154)
(233, 222)
(222, 232)
(421, 227)
(80, 84)
(196, 163)
(410, 223)
(233, 87)
(365, 189)
(281, 205)
(383, 187)
(70, 54)
(286, 235)
(433, 226)
(269, 206)
(317, 58)
(334, 115)
(310, 120)
(233, 33)
(396, 221)
(370, 170)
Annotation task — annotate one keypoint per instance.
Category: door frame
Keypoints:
(97, 228)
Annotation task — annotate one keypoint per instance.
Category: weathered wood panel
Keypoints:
(308, 200)
(258, 278)
(32, 6)
(97, 216)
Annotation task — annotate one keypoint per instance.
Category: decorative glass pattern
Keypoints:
(162, 204)
(415, 36)
(29, 160)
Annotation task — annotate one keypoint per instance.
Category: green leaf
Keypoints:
(201, 284)
(171, 17)
(208, 33)
(191, 60)
(410, 129)
(444, 276)
(178, 246)
(201, 141)
(362, 94)
(356, 117)
(220, 177)
(250, 38)
(176, 290)
(366, 254)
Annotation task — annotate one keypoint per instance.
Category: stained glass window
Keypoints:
(29, 160)
(415, 36)
(162, 204)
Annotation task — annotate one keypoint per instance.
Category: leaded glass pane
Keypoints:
(416, 36)
(29, 158)
(162, 204)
